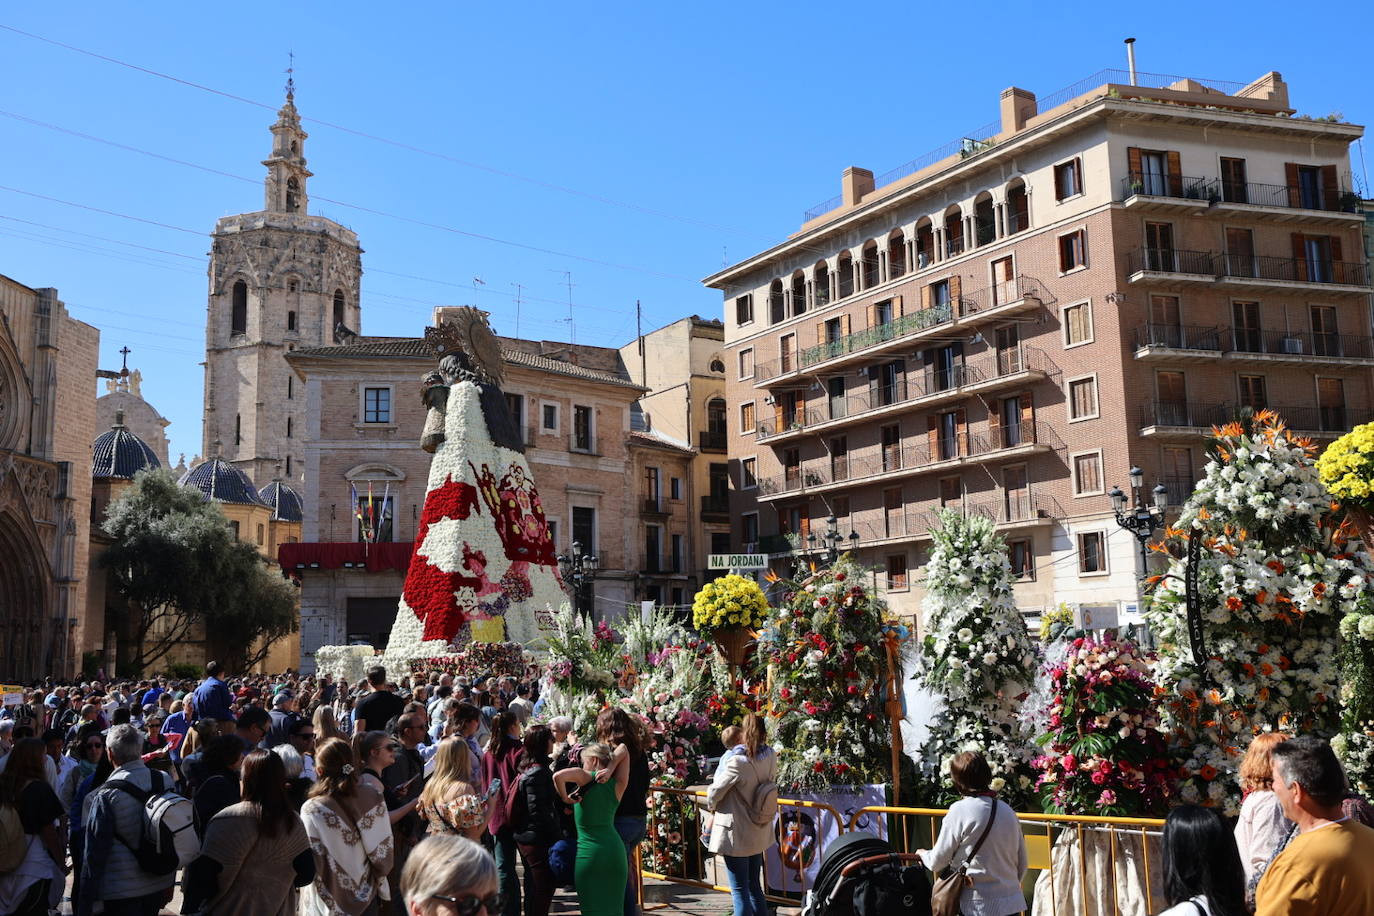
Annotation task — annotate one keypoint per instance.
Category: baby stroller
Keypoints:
(860, 875)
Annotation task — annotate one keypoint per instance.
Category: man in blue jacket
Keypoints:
(212, 698)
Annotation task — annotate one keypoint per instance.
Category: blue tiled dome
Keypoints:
(219, 480)
(120, 454)
(285, 502)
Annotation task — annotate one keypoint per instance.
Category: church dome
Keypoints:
(120, 454)
(219, 480)
(285, 502)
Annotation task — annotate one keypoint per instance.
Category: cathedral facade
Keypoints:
(280, 278)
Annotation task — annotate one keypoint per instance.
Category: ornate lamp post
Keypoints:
(833, 539)
(579, 569)
(1137, 518)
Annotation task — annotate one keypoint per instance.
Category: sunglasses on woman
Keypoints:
(471, 904)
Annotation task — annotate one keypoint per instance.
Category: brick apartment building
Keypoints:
(1010, 323)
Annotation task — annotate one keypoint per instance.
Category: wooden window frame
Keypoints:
(1087, 306)
(1029, 574)
(906, 572)
(1075, 166)
(1068, 397)
(363, 389)
(744, 305)
(748, 425)
(1105, 563)
(739, 364)
(1073, 473)
(1081, 233)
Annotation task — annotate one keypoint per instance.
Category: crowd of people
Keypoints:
(436, 794)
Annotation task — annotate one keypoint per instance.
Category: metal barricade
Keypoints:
(715, 865)
(1075, 839)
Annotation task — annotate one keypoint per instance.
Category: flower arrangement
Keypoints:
(726, 708)
(1274, 579)
(672, 823)
(1346, 467)
(347, 662)
(976, 656)
(827, 673)
(581, 671)
(1055, 621)
(476, 659)
(730, 601)
(1105, 753)
(1355, 744)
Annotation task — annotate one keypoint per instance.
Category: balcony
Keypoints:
(1003, 369)
(1166, 193)
(1000, 443)
(1171, 267)
(978, 307)
(711, 440)
(715, 508)
(1172, 419)
(1263, 272)
(1285, 203)
(583, 444)
(1010, 512)
(1178, 488)
(1179, 343)
(654, 507)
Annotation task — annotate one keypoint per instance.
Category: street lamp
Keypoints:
(832, 539)
(1137, 518)
(579, 569)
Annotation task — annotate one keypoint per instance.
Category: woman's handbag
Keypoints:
(944, 894)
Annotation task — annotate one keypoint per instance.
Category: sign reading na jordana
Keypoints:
(737, 561)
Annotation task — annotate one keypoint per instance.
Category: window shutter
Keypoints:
(1059, 182)
(1299, 252)
(872, 316)
(925, 297)
(873, 376)
(1331, 188)
(1175, 174)
(778, 424)
(1290, 177)
(799, 409)
(820, 333)
(954, 292)
(1027, 417)
(933, 436)
(1078, 176)
(1133, 163)
(897, 310)
(844, 325)
(1335, 244)
(995, 423)
(961, 425)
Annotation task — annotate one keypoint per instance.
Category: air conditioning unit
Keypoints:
(1292, 345)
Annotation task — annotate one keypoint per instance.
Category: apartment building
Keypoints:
(1009, 323)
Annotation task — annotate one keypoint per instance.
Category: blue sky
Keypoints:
(640, 146)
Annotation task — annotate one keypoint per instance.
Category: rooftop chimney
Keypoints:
(1018, 107)
(1130, 59)
(855, 184)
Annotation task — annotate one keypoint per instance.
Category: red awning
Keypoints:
(343, 555)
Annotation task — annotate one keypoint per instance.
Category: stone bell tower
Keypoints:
(280, 278)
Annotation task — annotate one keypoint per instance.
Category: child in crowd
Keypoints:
(731, 736)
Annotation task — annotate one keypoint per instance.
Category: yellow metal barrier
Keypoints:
(1077, 839)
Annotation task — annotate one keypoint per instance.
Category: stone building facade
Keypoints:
(1011, 323)
(48, 366)
(573, 404)
(280, 278)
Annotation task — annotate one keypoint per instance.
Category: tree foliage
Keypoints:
(176, 562)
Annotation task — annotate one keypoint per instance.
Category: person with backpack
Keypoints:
(503, 752)
(255, 852)
(219, 788)
(32, 858)
(116, 870)
(744, 799)
(449, 803)
(532, 808)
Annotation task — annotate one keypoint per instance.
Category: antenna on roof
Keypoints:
(1130, 59)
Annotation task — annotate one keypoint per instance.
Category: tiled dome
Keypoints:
(219, 480)
(120, 454)
(285, 502)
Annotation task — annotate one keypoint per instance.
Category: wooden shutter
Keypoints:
(1299, 253)
(873, 316)
(897, 310)
(956, 308)
(874, 374)
(961, 427)
(1027, 417)
(1290, 176)
(820, 333)
(799, 409)
(844, 325)
(1331, 188)
(778, 424)
(1175, 173)
(1335, 246)
(1058, 182)
(925, 297)
(1133, 165)
(995, 423)
(933, 436)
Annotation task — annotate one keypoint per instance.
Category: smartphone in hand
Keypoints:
(493, 788)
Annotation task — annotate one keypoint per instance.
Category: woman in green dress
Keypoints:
(601, 869)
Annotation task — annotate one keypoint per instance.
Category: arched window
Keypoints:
(238, 311)
(293, 195)
(715, 416)
(798, 293)
(338, 307)
(870, 264)
(846, 271)
(820, 283)
(717, 365)
(984, 220)
(775, 302)
(954, 231)
(293, 285)
(1018, 207)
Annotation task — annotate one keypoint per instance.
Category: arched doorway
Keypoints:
(25, 599)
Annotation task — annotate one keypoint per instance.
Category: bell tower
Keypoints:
(280, 279)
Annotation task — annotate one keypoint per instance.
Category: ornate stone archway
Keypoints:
(26, 597)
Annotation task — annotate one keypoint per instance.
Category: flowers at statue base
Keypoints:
(1104, 752)
(976, 657)
(672, 824)
(477, 659)
(1355, 748)
(347, 662)
(1355, 744)
(730, 601)
(726, 708)
(1274, 578)
(581, 672)
(827, 658)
